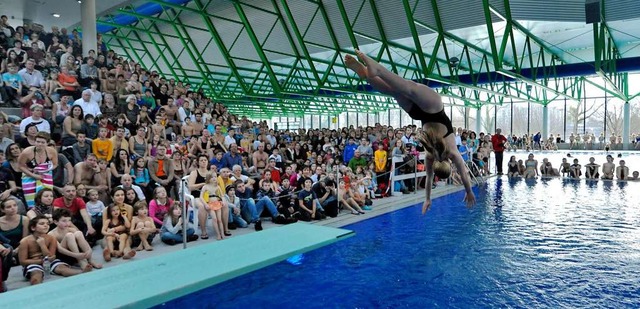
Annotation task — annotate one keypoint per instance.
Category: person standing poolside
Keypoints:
(498, 141)
(424, 104)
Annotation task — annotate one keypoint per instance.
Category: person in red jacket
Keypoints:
(498, 141)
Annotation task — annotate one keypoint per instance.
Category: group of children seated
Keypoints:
(46, 240)
(530, 169)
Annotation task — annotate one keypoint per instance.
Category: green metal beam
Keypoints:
(221, 46)
(169, 49)
(192, 10)
(298, 35)
(347, 23)
(119, 26)
(416, 38)
(275, 84)
(155, 44)
(196, 56)
(131, 12)
(606, 53)
(383, 36)
(492, 40)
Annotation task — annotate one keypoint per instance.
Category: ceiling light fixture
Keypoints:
(80, 1)
(56, 15)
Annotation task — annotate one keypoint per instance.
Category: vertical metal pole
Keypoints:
(584, 116)
(415, 174)
(528, 118)
(337, 171)
(495, 118)
(605, 110)
(185, 218)
(564, 133)
(511, 118)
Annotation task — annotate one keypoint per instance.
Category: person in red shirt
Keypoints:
(76, 206)
(498, 141)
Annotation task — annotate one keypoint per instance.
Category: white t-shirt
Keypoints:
(88, 108)
(42, 125)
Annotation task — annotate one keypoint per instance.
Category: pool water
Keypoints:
(536, 244)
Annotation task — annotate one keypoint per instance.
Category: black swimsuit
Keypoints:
(33, 163)
(441, 117)
(513, 169)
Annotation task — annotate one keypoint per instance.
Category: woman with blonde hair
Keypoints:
(424, 104)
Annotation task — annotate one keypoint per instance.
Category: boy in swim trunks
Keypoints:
(608, 168)
(576, 169)
(622, 171)
(591, 171)
(72, 248)
(564, 167)
(39, 248)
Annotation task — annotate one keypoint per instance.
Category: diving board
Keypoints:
(151, 281)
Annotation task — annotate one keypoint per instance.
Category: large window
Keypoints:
(384, 118)
(373, 118)
(535, 118)
(394, 118)
(520, 118)
(457, 115)
(615, 118)
(556, 119)
(351, 119)
(503, 119)
(342, 120)
(487, 119)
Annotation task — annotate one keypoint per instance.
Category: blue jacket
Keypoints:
(349, 150)
(229, 161)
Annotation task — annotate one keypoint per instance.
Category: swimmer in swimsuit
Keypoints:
(512, 167)
(531, 166)
(576, 169)
(424, 104)
(592, 169)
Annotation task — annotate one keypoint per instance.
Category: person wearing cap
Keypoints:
(42, 124)
(89, 106)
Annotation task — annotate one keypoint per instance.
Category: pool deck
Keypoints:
(380, 207)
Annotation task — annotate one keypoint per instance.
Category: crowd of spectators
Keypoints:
(106, 166)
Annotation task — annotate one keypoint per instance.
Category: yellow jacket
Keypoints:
(103, 149)
(380, 159)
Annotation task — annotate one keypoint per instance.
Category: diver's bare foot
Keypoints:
(373, 68)
(95, 264)
(355, 66)
(87, 268)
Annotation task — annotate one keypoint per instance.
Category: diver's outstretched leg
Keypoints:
(376, 82)
(423, 96)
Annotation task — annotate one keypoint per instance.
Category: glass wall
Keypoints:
(600, 114)
(503, 118)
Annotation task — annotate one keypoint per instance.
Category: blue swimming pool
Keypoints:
(542, 243)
